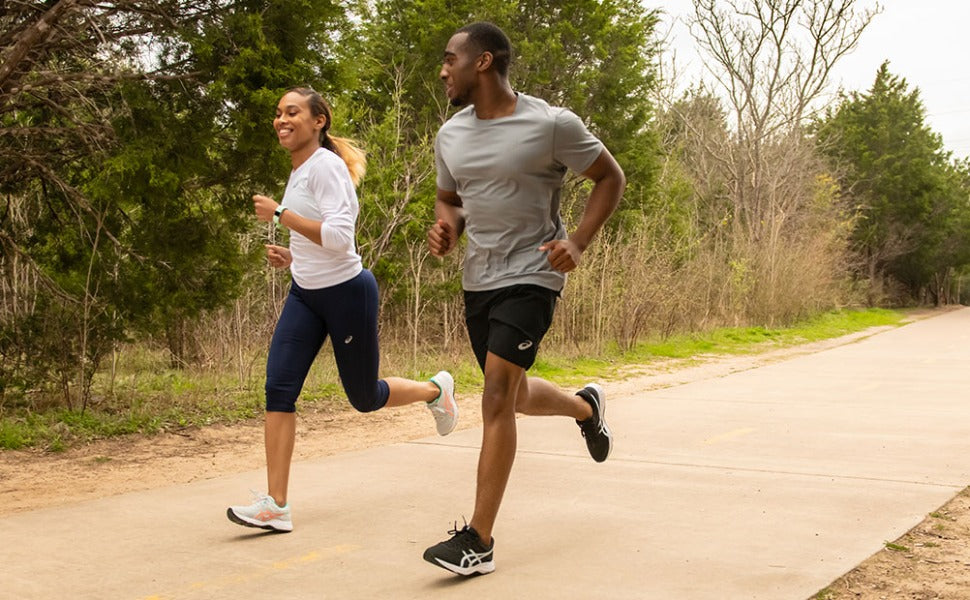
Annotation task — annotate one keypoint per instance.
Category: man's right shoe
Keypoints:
(464, 554)
(444, 408)
(599, 440)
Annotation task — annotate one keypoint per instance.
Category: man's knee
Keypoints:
(497, 406)
(502, 383)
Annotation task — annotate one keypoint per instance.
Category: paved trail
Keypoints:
(768, 483)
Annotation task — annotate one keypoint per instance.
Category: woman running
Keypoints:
(331, 294)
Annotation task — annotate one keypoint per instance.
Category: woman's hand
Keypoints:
(278, 256)
(265, 207)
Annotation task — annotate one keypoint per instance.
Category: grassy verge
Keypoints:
(723, 341)
(143, 398)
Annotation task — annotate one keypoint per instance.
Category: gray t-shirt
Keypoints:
(508, 172)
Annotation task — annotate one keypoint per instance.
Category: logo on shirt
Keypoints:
(525, 345)
(349, 339)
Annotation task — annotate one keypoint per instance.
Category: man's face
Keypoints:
(459, 70)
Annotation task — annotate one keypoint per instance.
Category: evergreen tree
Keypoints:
(135, 133)
(909, 197)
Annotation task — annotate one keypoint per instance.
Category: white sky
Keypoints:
(927, 42)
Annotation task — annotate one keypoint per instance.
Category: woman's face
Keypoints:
(296, 126)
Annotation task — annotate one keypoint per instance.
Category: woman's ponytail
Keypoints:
(346, 149)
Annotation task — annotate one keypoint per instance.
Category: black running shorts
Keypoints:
(509, 322)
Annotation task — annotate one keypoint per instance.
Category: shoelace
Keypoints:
(463, 539)
(591, 429)
(455, 531)
(261, 498)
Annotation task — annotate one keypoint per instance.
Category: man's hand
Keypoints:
(265, 207)
(441, 238)
(564, 255)
(278, 256)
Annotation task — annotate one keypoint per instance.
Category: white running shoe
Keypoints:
(444, 408)
(263, 513)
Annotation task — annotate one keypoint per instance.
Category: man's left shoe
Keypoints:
(599, 440)
(464, 554)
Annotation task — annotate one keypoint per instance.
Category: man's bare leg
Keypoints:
(503, 380)
(538, 397)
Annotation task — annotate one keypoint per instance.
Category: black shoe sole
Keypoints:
(238, 521)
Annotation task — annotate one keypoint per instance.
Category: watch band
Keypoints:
(278, 213)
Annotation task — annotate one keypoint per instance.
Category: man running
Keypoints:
(501, 161)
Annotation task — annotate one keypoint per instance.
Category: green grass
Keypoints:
(145, 399)
(56, 429)
(745, 340)
(723, 341)
(896, 547)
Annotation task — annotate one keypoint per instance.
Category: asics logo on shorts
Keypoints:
(525, 345)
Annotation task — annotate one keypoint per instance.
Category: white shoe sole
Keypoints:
(480, 569)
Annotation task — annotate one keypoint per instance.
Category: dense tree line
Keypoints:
(128, 131)
(912, 200)
(132, 135)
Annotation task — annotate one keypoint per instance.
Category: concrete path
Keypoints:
(769, 483)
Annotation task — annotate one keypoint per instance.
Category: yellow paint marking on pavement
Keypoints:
(264, 572)
(730, 435)
(288, 564)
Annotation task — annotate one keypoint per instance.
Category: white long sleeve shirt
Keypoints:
(321, 189)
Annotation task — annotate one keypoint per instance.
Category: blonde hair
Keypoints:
(345, 148)
(348, 150)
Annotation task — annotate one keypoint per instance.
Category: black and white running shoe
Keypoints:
(463, 554)
(599, 440)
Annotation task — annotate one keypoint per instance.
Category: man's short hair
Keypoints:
(488, 37)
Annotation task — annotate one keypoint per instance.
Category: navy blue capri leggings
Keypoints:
(347, 312)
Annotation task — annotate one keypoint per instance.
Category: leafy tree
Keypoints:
(64, 65)
(595, 57)
(911, 199)
(695, 182)
(131, 136)
(770, 63)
